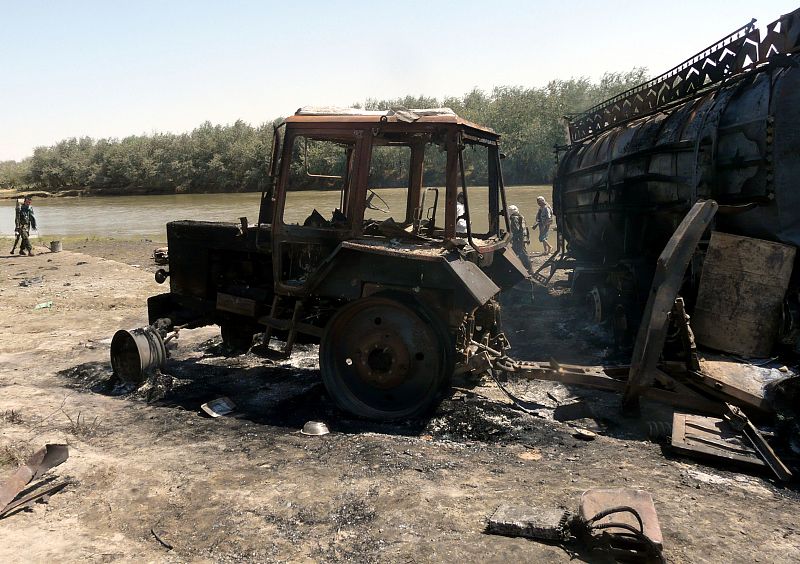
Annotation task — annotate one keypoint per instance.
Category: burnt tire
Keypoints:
(385, 358)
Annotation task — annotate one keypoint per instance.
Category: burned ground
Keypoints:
(249, 487)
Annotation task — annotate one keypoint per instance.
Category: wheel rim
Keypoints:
(381, 358)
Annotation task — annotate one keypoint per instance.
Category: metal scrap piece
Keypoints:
(594, 502)
(740, 422)
(710, 436)
(219, 407)
(42, 460)
(34, 496)
(530, 522)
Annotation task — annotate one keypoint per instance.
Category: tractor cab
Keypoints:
(416, 179)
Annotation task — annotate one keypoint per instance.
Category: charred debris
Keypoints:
(678, 224)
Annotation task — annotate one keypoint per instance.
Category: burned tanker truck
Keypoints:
(724, 125)
(398, 295)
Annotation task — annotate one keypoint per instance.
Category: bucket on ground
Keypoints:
(55, 246)
(136, 352)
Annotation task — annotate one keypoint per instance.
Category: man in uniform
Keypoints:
(25, 221)
(520, 236)
(544, 219)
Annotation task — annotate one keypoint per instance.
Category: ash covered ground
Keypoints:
(250, 487)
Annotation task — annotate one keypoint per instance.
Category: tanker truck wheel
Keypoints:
(385, 357)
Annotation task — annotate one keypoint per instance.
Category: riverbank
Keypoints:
(10, 194)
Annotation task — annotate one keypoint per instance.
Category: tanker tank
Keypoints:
(725, 124)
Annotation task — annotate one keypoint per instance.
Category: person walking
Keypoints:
(520, 235)
(461, 215)
(544, 219)
(25, 221)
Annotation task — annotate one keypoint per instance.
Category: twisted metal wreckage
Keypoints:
(674, 196)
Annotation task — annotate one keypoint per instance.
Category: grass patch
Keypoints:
(15, 454)
(81, 427)
(12, 416)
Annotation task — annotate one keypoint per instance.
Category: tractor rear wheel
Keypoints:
(385, 357)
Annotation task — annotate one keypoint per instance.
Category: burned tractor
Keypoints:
(722, 125)
(398, 299)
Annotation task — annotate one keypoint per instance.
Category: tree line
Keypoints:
(234, 158)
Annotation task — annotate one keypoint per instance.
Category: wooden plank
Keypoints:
(667, 281)
(740, 299)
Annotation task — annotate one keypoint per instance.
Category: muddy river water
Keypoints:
(145, 216)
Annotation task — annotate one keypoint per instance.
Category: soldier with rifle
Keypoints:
(24, 221)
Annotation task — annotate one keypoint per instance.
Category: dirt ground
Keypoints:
(249, 487)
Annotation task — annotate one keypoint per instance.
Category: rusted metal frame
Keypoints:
(670, 269)
(675, 392)
(360, 181)
(738, 72)
(557, 261)
(272, 316)
(287, 325)
(500, 242)
(739, 75)
(467, 218)
(267, 208)
(480, 248)
(292, 328)
(613, 379)
(416, 170)
(589, 376)
(718, 389)
(451, 184)
(287, 234)
(741, 423)
(686, 334)
(479, 139)
(589, 121)
(494, 192)
(502, 188)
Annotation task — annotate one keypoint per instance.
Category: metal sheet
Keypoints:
(42, 460)
(742, 286)
(711, 437)
(595, 501)
(474, 280)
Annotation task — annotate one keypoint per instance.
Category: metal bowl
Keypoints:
(315, 428)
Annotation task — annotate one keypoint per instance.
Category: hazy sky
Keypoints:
(111, 68)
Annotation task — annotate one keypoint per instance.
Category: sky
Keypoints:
(111, 68)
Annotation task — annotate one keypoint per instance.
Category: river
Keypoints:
(145, 216)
